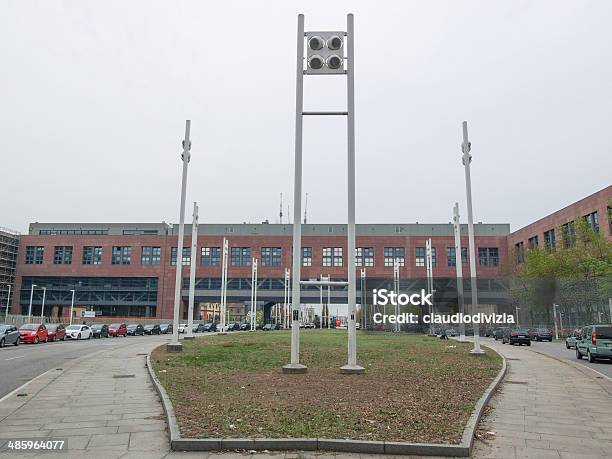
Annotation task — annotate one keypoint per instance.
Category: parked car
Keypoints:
(117, 330)
(165, 328)
(78, 332)
(451, 332)
(33, 333)
(245, 326)
(135, 330)
(152, 329)
(182, 328)
(499, 333)
(99, 330)
(309, 325)
(210, 327)
(9, 335)
(198, 328)
(570, 340)
(277, 327)
(56, 332)
(594, 342)
(233, 326)
(268, 327)
(517, 336)
(542, 334)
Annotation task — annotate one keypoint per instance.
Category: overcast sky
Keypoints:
(94, 97)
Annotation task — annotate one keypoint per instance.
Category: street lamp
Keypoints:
(517, 309)
(31, 297)
(72, 306)
(459, 270)
(192, 271)
(175, 346)
(466, 146)
(8, 299)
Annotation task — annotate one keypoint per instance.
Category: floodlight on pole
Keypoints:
(72, 306)
(466, 147)
(174, 345)
(459, 269)
(192, 272)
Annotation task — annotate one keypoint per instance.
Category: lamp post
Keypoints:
(429, 269)
(253, 312)
(459, 269)
(31, 297)
(364, 301)
(517, 309)
(72, 306)
(175, 346)
(192, 271)
(42, 309)
(466, 146)
(396, 291)
(8, 299)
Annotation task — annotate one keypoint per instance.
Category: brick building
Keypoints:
(129, 269)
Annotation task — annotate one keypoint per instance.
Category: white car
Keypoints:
(182, 328)
(78, 332)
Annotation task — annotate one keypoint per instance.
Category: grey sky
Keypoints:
(94, 95)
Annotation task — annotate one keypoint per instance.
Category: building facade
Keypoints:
(128, 270)
(9, 247)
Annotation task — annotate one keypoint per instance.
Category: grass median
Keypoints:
(415, 388)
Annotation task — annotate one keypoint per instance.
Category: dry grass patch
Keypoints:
(415, 389)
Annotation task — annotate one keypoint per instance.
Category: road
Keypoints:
(557, 349)
(20, 364)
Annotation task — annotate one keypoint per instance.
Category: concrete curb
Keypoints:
(463, 449)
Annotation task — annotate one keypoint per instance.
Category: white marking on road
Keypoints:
(18, 357)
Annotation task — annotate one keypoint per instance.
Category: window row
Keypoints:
(270, 256)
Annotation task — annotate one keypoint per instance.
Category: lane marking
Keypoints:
(18, 357)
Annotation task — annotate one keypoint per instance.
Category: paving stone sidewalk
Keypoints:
(547, 409)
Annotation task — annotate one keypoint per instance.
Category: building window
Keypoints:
(593, 221)
(568, 232)
(419, 256)
(394, 253)
(364, 256)
(434, 258)
(306, 256)
(519, 252)
(92, 255)
(549, 239)
(532, 242)
(121, 255)
(186, 256)
(34, 255)
(332, 256)
(451, 259)
(150, 255)
(271, 256)
(62, 255)
(241, 256)
(211, 256)
(488, 256)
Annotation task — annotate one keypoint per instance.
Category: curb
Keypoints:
(463, 449)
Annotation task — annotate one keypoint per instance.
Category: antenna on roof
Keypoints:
(280, 214)
(306, 209)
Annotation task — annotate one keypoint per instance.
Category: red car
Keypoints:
(117, 330)
(33, 333)
(56, 332)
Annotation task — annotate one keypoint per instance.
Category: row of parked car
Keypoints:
(520, 335)
(593, 342)
(42, 333)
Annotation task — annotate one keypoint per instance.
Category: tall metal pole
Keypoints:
(364, 300)
(42, 308)
(328, 302)
(321, 302)
(192, 271)
(396, 290)
(459, 269)
(72, 307)
(8, 299)
(252, 321)
(295, 366)
(466, 146)
(429, 270)
(30, 308)
(175, 346)
(351, 366)
(224, 264)
(254, 304)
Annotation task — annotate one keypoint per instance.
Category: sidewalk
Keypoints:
(546, 408)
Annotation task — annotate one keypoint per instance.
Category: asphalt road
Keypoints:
(557, 349)
(20, 364)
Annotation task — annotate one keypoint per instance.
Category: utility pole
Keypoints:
(253, 310)
(175, 346)
(466, 146)
(192, 271)
(396, 289)
(459, 269)
(364, 300)
(222, 307)
(429, 269)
